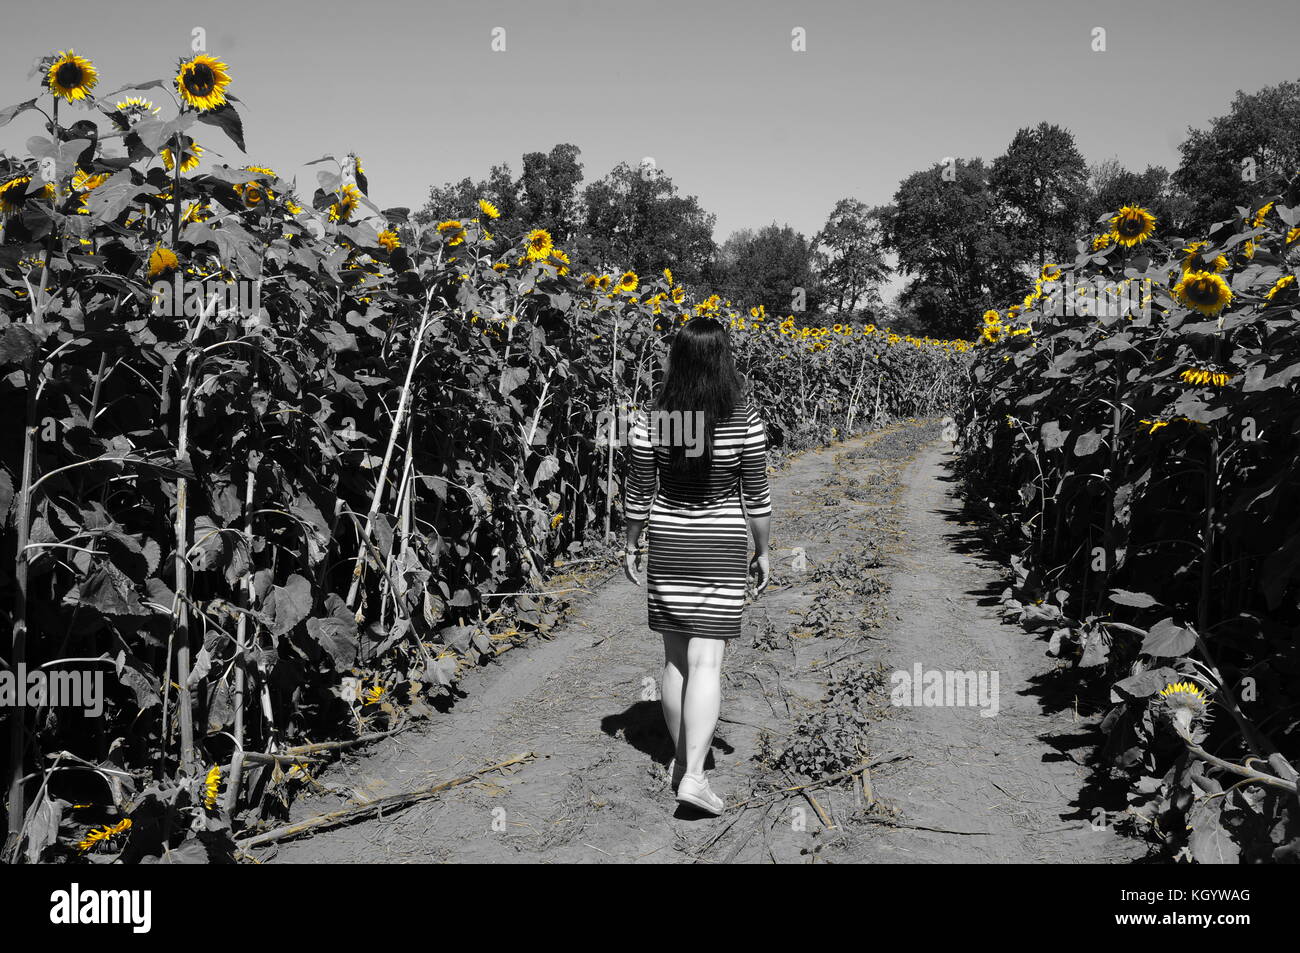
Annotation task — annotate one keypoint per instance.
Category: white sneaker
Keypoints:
(673, 779)
(694, 790)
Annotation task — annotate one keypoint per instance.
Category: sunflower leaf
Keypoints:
(9, 112)
(227, 120)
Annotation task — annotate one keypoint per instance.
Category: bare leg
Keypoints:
(672, 688)
(702, 699)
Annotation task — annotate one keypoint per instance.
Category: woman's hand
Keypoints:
(761, 567)
(631, 564)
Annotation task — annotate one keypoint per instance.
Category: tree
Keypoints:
(635, 218)
(1111, 187)
(1040, 181)
(772, 267)
(850, 256)
(946, 232)
(1252, 150)
(544, 196)
(548, 191)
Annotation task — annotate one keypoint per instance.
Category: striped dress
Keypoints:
(698, 566)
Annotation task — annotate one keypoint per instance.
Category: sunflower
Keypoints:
(1258, 220)
(349, 201)
(71, 77)
(1192, 260)
(488, 209)
(1203, 291)
(1293, 235)
(538, 244)
(678, 294)
(196, 212)
(1050, 273)
(162, 261)
(190, 156)
(501, 266)
(1285, 281)
(13, 194)
(98, 835)
(211, 786)
(452, 230)
(1203, 376)
(388, 238)
(603, 283)
(254, 193)
(1102, 241)
(1132, 225)
(1183, 704)
(560, 260)
(202, 82)
(83, 182)
(992, 317)
(668, 275)
(133, 109)
(627, 284)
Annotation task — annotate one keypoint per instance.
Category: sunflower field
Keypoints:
(1136, 436)
(281, 465)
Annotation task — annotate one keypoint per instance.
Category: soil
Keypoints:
(876, 569)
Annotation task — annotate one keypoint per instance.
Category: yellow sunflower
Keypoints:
(162, 261)
(1285, 281)
(538, 244)
(388, 238)
(135, 108)
(1050, 273)
(1132, 225)
(71, 77)
(82, 183)
(202, 82)
(488, 209)
(627, 284)
(255, 193)
(1192, 260)
(668, 275)
(196, 212)
(211, 787)
(349, 201)
(1203, 376)
(190, 156)
(603, 283)
(1258, 220)
(14, 193)
(1203, 291)
(1293, 235)
(452, 230)
(1102, 241)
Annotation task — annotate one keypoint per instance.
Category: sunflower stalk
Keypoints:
(33, 367)
(399, 418)
(181, 629)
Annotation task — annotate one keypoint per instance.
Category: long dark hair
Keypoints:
(701, 378)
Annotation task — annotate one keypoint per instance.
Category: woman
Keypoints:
(699, 469)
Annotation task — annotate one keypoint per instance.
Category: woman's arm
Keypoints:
(640, 487)
(757, 494)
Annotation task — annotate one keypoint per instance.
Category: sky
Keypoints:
(711, 91)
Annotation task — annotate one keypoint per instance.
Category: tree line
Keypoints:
(961, 235)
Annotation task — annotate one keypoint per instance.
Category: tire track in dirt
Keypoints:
(585, 702)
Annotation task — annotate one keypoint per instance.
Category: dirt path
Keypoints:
(872, 573)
